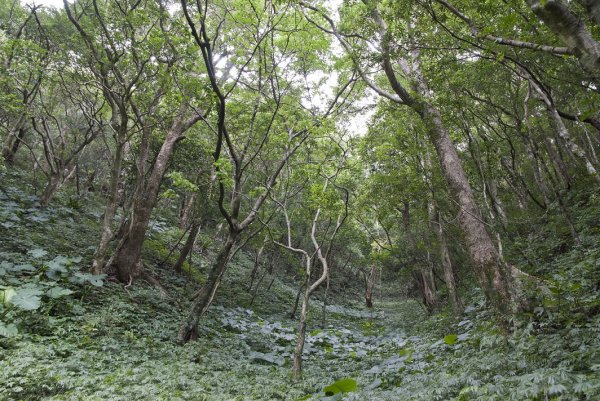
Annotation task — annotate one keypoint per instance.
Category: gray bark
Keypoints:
(570, 29)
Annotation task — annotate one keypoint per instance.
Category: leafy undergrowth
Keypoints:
(69, 335)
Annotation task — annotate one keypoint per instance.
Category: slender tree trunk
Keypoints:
(187, 247)
(13, 141)
(257, 259)
(301, 339)
(187, 209)
(369, 285)
(110, 210)
(188, 331)
(292, 313)
(455, 300)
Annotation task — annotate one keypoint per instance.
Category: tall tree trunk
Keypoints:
(257, 260)
(186, 210)
(490, 272)
(188, 331)
(369, 285)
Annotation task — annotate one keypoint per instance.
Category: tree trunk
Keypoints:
(127, 255)
(455, 300)
(301, 339)
(570, 29)
(296, 303)
(188, 331)
(50, 189)
(13, 141)
(187, 247)
(55, 182)
(427, 287)
(257, 258)
(369, 284)
(490, 273)
(106, 235)
(186, 211)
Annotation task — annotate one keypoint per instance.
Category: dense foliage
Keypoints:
(300, 200)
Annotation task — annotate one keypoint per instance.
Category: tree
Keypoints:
(491, 274)
(327, 200)
(253, 144)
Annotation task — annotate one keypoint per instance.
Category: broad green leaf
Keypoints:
(25, 267)
(8, 330)
(37, 253)
(341, 386)
(27, 298)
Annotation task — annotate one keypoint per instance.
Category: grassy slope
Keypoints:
(109, 343)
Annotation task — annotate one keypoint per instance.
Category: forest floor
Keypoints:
(86, 341)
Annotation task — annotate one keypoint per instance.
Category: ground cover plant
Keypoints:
(299, 200)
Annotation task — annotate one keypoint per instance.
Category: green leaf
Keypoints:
(27, 298)
(341, 386)
(8, 330)
(24, 267)
(6, 295)
(37, 253)
(57, 292)
(451, 339)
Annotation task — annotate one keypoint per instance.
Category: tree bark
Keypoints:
(186, 211)
(570, 29)
(301, 339)
(424, 277)
(110, 210)
(490, 272)
(593, 9)
(455, 301)
(55, 181)
(127, 255)
(187, 247)
(12, 144)
(188, 331)
(369, 285)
